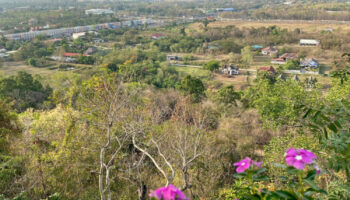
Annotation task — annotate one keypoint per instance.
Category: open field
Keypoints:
(196, 72)
(11, 68)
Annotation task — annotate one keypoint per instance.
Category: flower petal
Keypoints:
(290, 160)
(291, 152)
(298, 164)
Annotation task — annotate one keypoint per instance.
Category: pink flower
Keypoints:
(243, 165)
(298, 158)
(168, 193)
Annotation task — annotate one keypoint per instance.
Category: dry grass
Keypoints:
(306, 26)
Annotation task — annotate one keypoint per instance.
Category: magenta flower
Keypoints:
(243, 165)
(298, 158)
(168, 193)
(317, 168)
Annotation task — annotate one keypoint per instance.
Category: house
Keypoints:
(91, 50)
(172, 57)
(230, 70)
(330, 30)
(269, 69)
(284, 58)
(157, 36)
(98, 40)
(309, 63)
(308, 42)
(78, 35)
(289, 56)
(269, 51)
(73, 54)
(225, 9)
(3, 55)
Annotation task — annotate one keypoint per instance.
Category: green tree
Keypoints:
(11, 166)
(292, 65)
(247, 56)
(24, 91)
(194, 87)
(32, 62)
(228, 96)
(212, 65)
(280, 103)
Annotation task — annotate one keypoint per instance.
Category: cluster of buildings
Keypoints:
(68, 32)
(305, 64)
(71, 57)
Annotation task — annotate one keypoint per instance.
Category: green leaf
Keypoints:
(336, 122)
(307, 113)
(261, 170)
(311, 175)
(332, 127)
(314, 186)
(292, 170)
(240, 175)
(325, 133)
(260, 178)
(285, 195)
(279, 165)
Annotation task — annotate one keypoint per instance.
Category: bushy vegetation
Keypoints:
(128, 124)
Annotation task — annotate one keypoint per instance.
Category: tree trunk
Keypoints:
(100, 176)
(142, 191)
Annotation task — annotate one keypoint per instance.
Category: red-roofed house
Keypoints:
(269, 69)
(210, 18)
(157, 36)
(73, 54)
(283, 58)
(269, 51)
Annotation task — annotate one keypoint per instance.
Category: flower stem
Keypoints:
(301, 187)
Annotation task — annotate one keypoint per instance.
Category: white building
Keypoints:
(308, 42)
(99, 12)
(78, 35)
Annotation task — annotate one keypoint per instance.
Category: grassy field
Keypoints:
(196, 72)
(11, 68)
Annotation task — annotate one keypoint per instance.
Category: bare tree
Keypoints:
(158, 157)
(110, 102)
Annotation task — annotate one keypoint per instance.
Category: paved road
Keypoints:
(247, 70)
(181, 65)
